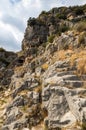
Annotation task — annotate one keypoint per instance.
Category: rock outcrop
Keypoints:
(62, 96)
(47, 88)
(6, 58)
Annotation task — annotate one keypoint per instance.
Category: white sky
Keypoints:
(15, 13)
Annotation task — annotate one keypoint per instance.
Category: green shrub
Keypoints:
(63, 28)
(51, 38)
(61, 16)
(43, 12)
(32, 21)
(2, 50)
(79, 11)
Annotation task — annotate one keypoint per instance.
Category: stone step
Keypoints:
(65, 69)
(73, 84)
(65, 73)
(71, 77)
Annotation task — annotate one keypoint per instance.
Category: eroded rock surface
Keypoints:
(58, 98)
(45, 84)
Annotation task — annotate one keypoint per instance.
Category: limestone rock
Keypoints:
(36, 34)
(43, 87)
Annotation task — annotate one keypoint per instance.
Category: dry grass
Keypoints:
(80, 58)
(22, 93)
(76, 57)
(72, 59)
(45, 66)
(61, 55)
(38, 89)
(81, 39)
(20, 70)
(81, 66)
(81, 26)
(20, 53)
(45, 127)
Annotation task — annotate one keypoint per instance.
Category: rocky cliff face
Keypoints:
(6, 58)
(48, 85)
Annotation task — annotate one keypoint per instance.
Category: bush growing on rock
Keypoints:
(51, 38)
(79, 11)
(61, 16)
(63, 28)
(2, 49)
(43, 12)
(31, 21)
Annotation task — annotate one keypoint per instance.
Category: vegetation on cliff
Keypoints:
(43, 87)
